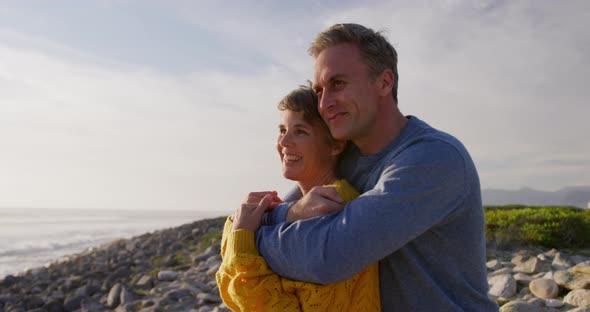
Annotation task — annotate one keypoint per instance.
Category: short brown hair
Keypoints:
(304, 99)
(374, 48)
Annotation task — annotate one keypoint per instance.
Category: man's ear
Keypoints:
(338, 147)
(386, 81)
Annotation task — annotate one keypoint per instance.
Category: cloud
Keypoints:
(78, 132)
(83, 127)
(507, 78)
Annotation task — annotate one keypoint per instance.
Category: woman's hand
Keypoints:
(249, 215)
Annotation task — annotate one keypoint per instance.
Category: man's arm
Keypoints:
(419, 189)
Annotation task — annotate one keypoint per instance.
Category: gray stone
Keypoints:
(494, 265)
(92, 305)
(553, 303)
(544, 288)
(54, 306)
(167, 275)
(503, 286)
(529, 265)
(522, 278)
(208, 298)
(519, 306)
(578, 259)
(501, 271)
(126, 296)
(581, 268)
(579, 310)
(73, 303)
(213, 268)
(571, 280)
(561, 262)
(114, 297)
(578, 297)
(145, 282)
(177, 294)
(535, 301)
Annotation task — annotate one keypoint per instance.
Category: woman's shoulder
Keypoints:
(345, 189)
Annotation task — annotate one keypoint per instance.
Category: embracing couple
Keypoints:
(387, 215)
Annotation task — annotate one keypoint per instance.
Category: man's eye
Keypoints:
(282, 131)
(338, 83)
(301, 132)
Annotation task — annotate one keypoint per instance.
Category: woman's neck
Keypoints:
(328, 177)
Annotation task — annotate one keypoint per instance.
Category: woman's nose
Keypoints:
(285, 139)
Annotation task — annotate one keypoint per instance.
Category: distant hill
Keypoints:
(570, 196)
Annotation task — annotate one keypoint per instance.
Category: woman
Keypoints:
(309, 155)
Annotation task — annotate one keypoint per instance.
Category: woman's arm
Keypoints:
(245, 281)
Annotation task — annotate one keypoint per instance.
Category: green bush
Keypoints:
(554, 227)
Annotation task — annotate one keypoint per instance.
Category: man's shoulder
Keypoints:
(426, 142)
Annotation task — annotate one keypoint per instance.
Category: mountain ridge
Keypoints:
(577, 196)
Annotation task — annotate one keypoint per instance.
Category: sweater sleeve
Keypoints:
(245, 281)
(420, 189)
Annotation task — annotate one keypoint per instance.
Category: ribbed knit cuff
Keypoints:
(242, 241)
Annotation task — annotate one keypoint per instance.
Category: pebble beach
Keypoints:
(174, 270)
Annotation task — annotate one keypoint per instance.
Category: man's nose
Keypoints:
(325, 101)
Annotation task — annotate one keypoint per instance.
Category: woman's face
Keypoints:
(304, 148)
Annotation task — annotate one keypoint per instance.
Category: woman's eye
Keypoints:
(282, 131)
(301, 132)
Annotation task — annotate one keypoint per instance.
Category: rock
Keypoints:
(553, 303)
(213, 268)
(177, 294)
(581, 268)
(73, 303)
(561, 262)
(503, 286)
(33, 302)
(114, 297)
(579, 310)
(126, 296)
(551, 253)
(54, 306)
(522, 278)
(494, 265)
(519, 306)
(145, 282)
(578, 259)
(529, 265)
(208, 298)
(578, 297)
(167, 275)
(544, 288)
(92, 305)
(535, 301)
(10, 280)
(501, 271)
(571, 280)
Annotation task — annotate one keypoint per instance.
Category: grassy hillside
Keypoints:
(554, 227)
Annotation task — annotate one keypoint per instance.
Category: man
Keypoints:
(420, 214)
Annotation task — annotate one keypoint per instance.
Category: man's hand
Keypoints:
(321, 200)
(249, 215)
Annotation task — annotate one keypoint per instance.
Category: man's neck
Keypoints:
(387, 127)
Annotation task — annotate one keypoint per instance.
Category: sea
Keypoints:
(31, 238)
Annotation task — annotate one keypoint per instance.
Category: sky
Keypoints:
(172, 104)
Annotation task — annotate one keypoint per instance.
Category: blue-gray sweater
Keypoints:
(420, 216)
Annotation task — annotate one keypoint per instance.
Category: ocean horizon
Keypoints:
(35, 237)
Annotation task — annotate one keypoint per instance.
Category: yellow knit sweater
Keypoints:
(247, 284)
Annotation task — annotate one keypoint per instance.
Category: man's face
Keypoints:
(348, 96)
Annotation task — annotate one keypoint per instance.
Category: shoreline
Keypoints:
(174, 269)
(170, 269)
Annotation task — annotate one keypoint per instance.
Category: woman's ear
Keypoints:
(338, 147)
